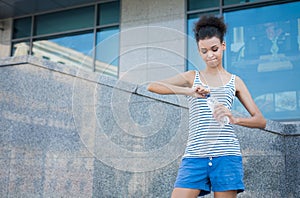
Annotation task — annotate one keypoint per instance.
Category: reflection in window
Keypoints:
(194, 60)
(109, 13)
(285, 101)
(71, 50)
(196, 4)
(298, 94)
(107, 51)
(266, 102)
(22, 28)
(64, 21)
(68, 36)
(264, 51)
(20, 48)
(229, 2)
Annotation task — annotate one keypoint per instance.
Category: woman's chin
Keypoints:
(212, 65)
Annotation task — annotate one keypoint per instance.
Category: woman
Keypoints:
(212, 159)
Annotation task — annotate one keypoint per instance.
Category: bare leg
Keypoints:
(185, 193)
(226, 194)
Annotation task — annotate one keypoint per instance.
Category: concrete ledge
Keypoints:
(272, 126)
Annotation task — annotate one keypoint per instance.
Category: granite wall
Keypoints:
(70, 133)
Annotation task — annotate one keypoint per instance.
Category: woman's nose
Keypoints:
(210, 53)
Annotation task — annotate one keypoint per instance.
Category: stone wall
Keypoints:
(70, 133)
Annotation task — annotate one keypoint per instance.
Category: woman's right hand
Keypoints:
(199, 92)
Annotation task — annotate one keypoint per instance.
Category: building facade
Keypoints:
(77, 121)
(140, 41)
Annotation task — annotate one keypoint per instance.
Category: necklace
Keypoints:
(212, 87)
(212, 99)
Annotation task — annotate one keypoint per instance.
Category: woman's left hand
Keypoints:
(220, 111)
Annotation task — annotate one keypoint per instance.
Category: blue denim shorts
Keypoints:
(216, 174)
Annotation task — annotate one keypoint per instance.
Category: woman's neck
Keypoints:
(214, 71)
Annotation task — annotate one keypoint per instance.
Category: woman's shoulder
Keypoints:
(190, 74)
(239, 83)
(237, 78)
(232, 75)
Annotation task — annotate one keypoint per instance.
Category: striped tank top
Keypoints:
(206, 137)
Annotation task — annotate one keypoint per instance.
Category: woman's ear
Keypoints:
(224, 45)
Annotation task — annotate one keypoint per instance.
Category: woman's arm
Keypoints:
(256, 120)
(179, 84)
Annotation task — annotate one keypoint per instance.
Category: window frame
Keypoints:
(95, 28)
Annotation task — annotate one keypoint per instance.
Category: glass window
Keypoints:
(109, 13)
(107, 51)
(22, 28)
(69, 37)
(20, 48)
(67, 49)
(230, 2)
(196, 4)
(65, 21)
(265, 52)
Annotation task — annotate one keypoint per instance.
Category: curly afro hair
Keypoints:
(209, 26)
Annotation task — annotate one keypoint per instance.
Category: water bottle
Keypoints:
(211, 103)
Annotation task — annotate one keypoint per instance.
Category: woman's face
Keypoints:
(211, 51)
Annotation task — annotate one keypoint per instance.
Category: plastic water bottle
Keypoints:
(211, 103)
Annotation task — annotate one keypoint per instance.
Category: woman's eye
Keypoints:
(204, 51)
(215, 49)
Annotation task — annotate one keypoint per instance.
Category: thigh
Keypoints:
(185, 193)
(227, 174)
(193, 174)
(226, 194)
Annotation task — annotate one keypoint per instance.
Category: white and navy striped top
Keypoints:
(206, 137)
